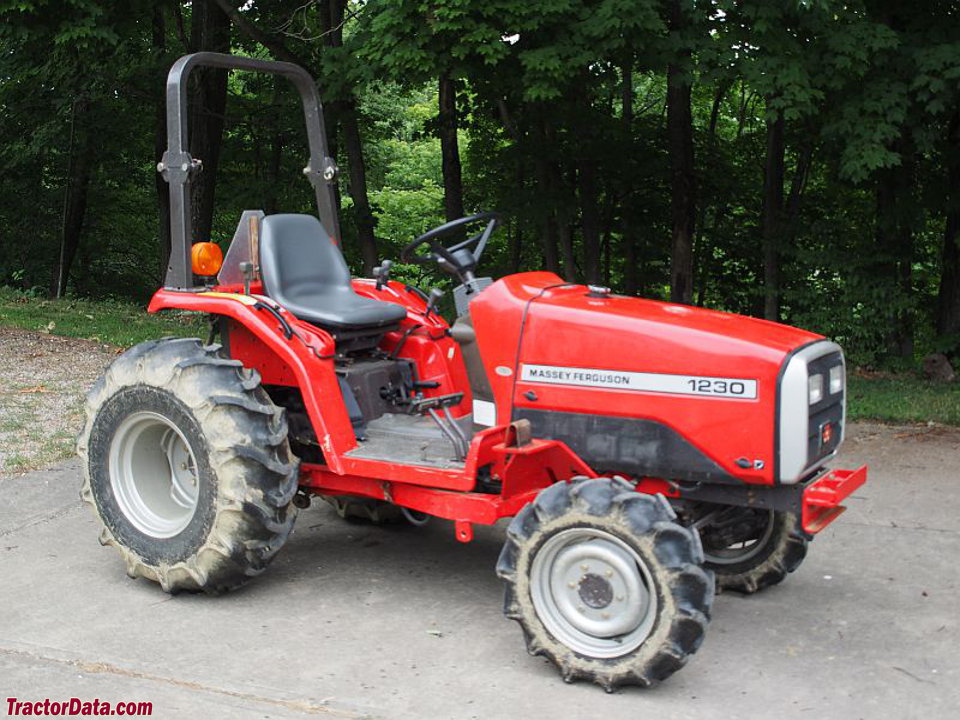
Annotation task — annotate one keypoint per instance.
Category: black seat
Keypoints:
(303, 270)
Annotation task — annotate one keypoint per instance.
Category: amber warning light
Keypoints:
(206, 258)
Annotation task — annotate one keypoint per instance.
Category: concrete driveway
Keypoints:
(364, 622)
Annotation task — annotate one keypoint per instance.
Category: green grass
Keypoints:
(113, 322)
(902, 399)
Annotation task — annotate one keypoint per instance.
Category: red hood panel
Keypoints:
(563, 327)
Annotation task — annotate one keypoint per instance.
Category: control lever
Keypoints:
(249, 272)
(434, 298)
(382, 273)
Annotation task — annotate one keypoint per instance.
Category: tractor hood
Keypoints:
(566, 324)
(555, 351)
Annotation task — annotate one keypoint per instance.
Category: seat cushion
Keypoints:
(303, 270)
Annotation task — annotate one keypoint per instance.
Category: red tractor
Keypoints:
(646, 451)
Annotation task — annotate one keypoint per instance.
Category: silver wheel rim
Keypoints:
(153, 474)
(743, 551)
(593, 592)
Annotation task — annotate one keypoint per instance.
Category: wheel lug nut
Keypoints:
(584, 567)
(609, 573)
(571, 585)
(581, 608)
(619, 598)
(605, 616)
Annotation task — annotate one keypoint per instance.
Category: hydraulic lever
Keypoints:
(382, 273)
(435, 296)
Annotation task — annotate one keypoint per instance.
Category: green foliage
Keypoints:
(865, 88)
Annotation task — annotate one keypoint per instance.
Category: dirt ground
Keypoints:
(45, 378)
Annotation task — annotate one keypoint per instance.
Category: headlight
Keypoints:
(836, 379)
(815, 387)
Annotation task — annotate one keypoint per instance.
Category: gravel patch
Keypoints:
(45, 378)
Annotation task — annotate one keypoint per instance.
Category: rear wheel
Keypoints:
(187, 466)
(605, 584)
(750, 549)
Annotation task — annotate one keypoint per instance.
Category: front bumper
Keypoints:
(820, 502)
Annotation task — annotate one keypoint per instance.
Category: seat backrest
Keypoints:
(298, 258)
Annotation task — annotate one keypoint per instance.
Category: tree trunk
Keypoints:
(358, 185)
(791, 211)
(516, 247)
(450, 149)
(274, 162)
(771, 221)
(948, 299)
(516, 239)
(682, 179)
(702, 243)
(76, 185)
(565, 237)
(546, 202)
(210, 30)
(159, 37)
(590, 218)
(895, 216)
(345, 110)
(797, 185)
(631, 279)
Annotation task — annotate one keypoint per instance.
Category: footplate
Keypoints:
(822, 498)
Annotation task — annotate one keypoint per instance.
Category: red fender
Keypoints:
(310, 357)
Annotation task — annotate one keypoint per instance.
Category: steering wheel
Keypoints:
(458, 258)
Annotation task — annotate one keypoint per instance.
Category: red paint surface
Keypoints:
(565, 327)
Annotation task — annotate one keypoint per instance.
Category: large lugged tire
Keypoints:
(775, 549)
(187, 466)
(605, 583)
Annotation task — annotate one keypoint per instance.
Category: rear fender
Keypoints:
(308, 354)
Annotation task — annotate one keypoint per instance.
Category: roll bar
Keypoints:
(178, 167)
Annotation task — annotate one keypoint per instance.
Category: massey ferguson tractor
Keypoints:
(647, 452)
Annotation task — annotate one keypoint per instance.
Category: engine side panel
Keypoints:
(696, 383)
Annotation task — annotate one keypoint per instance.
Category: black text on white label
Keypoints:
(641, 382)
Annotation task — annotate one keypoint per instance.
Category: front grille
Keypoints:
(828, 411)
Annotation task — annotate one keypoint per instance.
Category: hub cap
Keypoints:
(153, 474)
(593, 592)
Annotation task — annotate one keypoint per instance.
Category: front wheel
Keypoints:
(187, 466)
(605, 584)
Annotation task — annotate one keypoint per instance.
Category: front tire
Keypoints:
(187, 466)
(605, 584)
